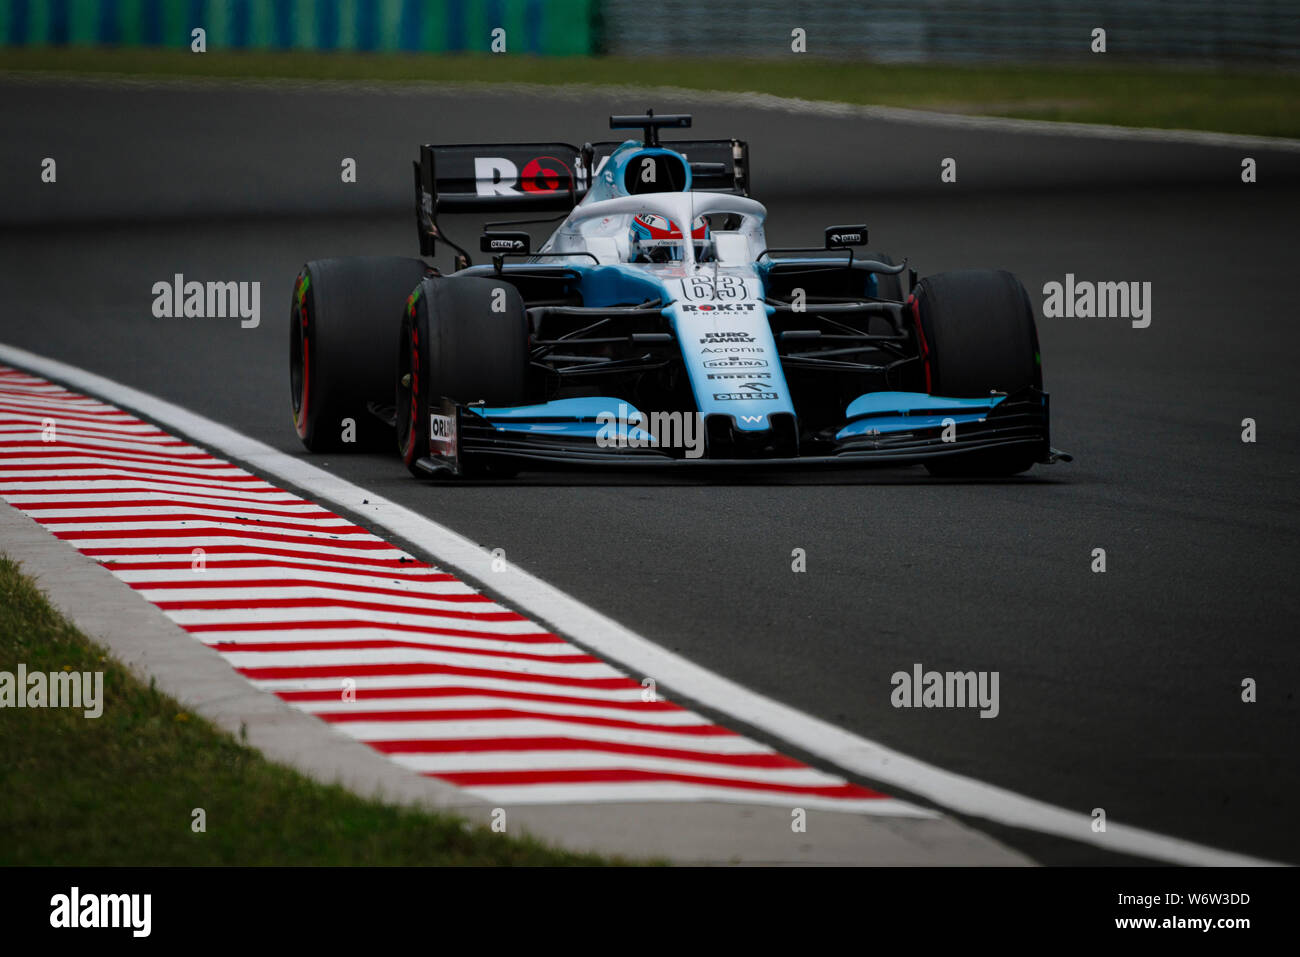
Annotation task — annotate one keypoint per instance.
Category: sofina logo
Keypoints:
(735, 363)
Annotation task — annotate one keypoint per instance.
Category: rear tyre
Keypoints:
(463, 338)
(980, 337)
(339, 352)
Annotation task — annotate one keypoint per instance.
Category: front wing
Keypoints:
(564, 435)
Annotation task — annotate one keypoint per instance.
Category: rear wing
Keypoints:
(545, 177)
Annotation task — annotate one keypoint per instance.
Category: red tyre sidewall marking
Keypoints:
(408, 449)
(925, 346)
(300, 418)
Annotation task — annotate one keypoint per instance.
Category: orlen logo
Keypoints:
(498, 176)
(506, 244)
(848, 239)
(442, 434)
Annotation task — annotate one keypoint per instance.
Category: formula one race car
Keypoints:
(655, 327)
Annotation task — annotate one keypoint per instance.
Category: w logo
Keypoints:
(752, 419)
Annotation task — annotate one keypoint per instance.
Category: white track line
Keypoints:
(638, 654)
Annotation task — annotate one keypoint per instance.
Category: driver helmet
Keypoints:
(657, 239)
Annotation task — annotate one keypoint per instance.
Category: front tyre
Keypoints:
(463, 338)
(979, 338)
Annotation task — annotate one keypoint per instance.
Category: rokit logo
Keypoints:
(713, 338)
(498, 176)
(721, 307)
(739, 396)
(736, 364)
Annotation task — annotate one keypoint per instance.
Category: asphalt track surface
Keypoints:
(1119, 690)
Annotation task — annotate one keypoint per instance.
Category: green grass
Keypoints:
(121, 788)
(1104, 91)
